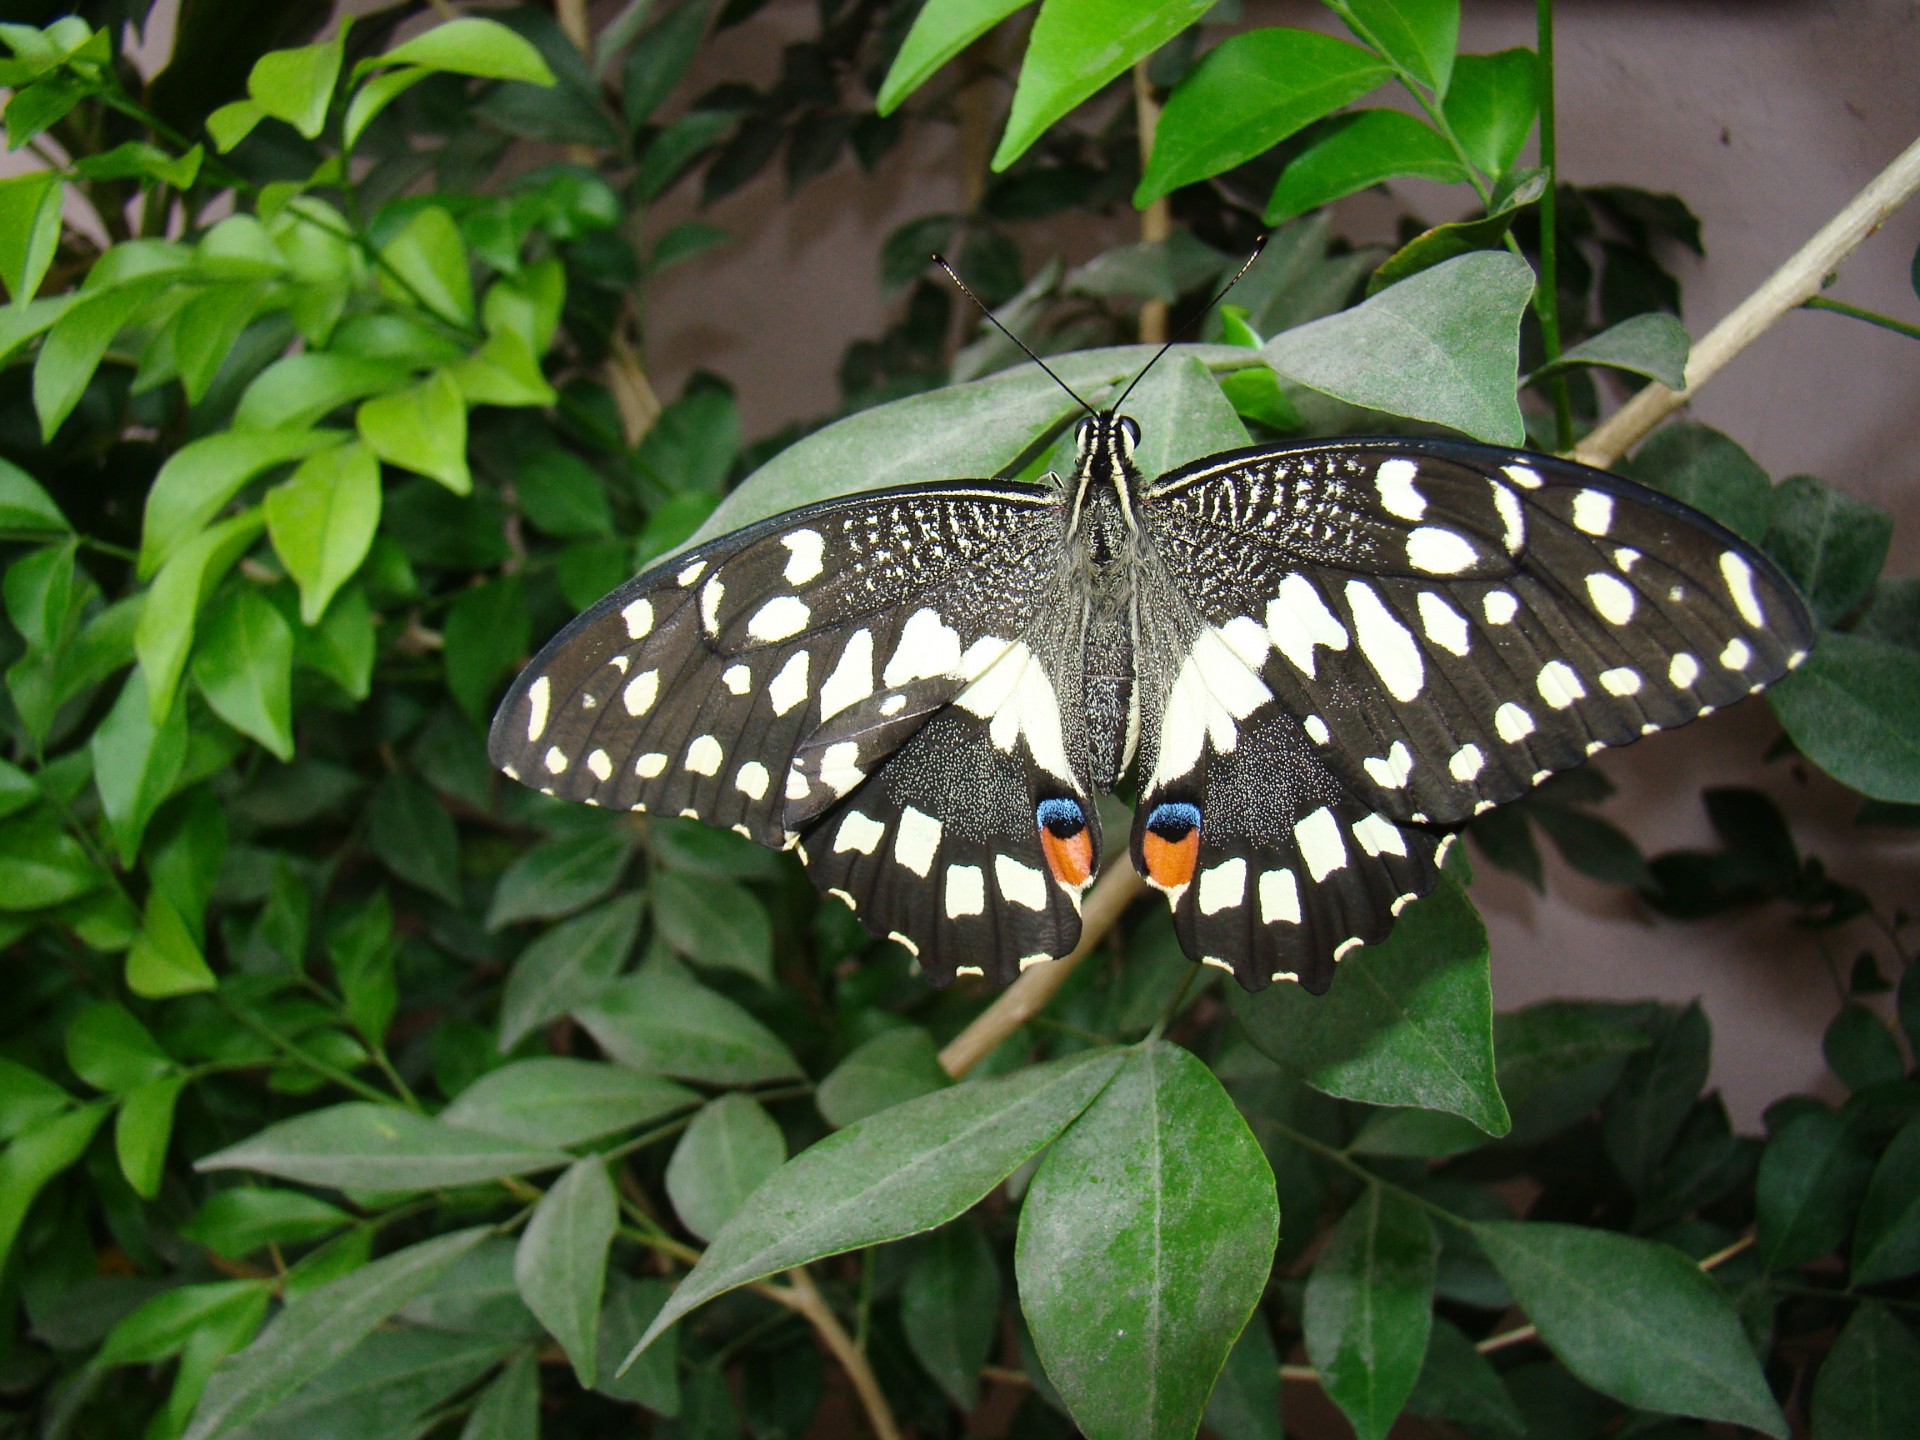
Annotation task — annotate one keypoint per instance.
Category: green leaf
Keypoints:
(24, 505)
(941, 30)
(1145, 1241)
(143, 1130)
(528, 303)
(1409, 1021)
(297, 390)
(137, 160)
(561, 1263)
(1645, 1110)
(1076, 47)
(652, 1380)
(1831, 545)
(1559, 1058)
(1861, 1050)
(160, 1327)
(207, 327)
(892, 1175)
(556, 1101)
(1444, 242)
(297, 85)
(163, 635)
(718, 923)
(1245, 1404)
(1369, 1302)
(379, 1147)
(373, 95)
(318, 1329)
(1886, 1241)
(509, 1408)
(362, 951)
(1654, 345)
(659, 1021)
(322, 522)
(1868, 1387)
(26, 1098)
(200, 478)
(35, 1156)
(1812, 1177)
(135, 762)
(423, 429)
(1356, 150)
(1708, 471)
(660, 57)
(1248, 94)
(426, 264)
(568, 966)
(1419, 36)
(233, 122)
(1442, 346)
(414, 836)
(394, 1383)
(893, 1067)
(164, 959)
(1634, 1319)
(243, 665)
(77, 343)
(503, 371)
(42, 865)
(237, 1222)
(1456, 1381)
(1491, 106)
(471, 45)
(112, 1051)
(1850, 710)
(563, 495)
(950, 1308)
(29, 230)
(485, 638)
(729, 1150)
(561, 876)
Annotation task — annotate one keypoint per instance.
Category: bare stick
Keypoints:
(1787, 288)
(803, 1297)
(1028, 995)
(1156, 221)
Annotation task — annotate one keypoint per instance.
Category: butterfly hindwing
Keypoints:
(1453, 622)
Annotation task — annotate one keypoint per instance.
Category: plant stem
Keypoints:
(1156, 221)
(803, 1297)
(1546, 294)
(294, 1052)
(1872, 317)
(1792, 285)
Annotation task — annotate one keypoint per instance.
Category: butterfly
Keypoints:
(1312, 659)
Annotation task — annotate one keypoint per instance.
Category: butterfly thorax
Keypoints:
(1103, 552)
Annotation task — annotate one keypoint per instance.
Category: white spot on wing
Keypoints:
(556, 760)
(1513, 521)
(928, 646)
(1316, 729)
(1737, 656)
(840, 767)
(916, 840)
(1559, 685)
(710, 596)
(1683, 671)
(1298, 619)
(1611, 596)
(1223, 887)
(704, 755)
(1021, 884)
(1512, 724)
(1522, 475)
(1389, 648)
(852, 679)
(1398, 497)
(1739, 577)
(1318, 837)
(780, 618)
(537, 694)
(1279, 898)
(1378, 835)
(1440, 552)
(858, 832)
(639, 693)
(601, 764)
(1466, 763)
(1499, 607)
(737, 678)
(804, 549)
(692, 573)
(1620, 681)
(1248, 639)
(966, 891)
(1445, 626)
(789, 687)
(650, 764)
(1593, 512)
(752, 780)
(1017, 699)
(1391, 773)
(639, 618)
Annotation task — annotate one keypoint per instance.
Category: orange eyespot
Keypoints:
(1170, 863)
(1065, 841)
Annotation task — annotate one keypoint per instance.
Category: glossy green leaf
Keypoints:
(509, 1408)
(555, 1101)
(165, 958)
(560, 876)
(1248, 94)
(1868, 1387)
(653, 1378)
(561, 1263)
(1634, 1319)
(246, 1218)
(528, 303)
(941, 30)
(1245, 1404)
(29, 230)
(423, 429)
(243, 665)
(1409, 1021)
(1419, 36)
(714, 922)
(894, 1066)
(41, 864)
(893, 1174)
(77, 343)
(485, 638)
(1812, 1177)
(659, 1021)
(1830, 544)
(1559, 1058)
(112, 1051)
(1368, 1306)
(25, 504)
(1657, 1088)
(26, 1098)
(35, 1156)
(566, 967)
(1442, 346)
(1654, 345)
(379, 1147)
(135, 762)
(1491, 106)
(201, 477)
(1886, 1241)
(1708, 471)
(414, 836)
(659, 59)
(322, 521)
(160, 1327)
(163, 635)
(503, 371)
(1076, 47)
(297, 85)
(318, 1329)
(1850, 710)
(563, 495)
(472, 45)
(137, 160)
(297, 390)
(1444, 242)
(1145, 1240)
(1861, 1050)
(1456, 1381)
(1358, 150)
(724, 1156)
(393, 1383)
(950, 1308)
(142, 1131)
(206, 329)
(426, 264)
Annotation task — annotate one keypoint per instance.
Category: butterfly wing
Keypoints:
(771, 681)
(1455, 622)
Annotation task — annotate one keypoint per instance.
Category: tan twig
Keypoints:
(1787, 288)
(572, 16)
(1028, 995)
(633, 394)
(803, 1297)
(1156, 221)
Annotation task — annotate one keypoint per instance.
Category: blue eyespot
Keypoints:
(1062, 818)
(1174, 821)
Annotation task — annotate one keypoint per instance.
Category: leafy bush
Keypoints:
(350, 1091)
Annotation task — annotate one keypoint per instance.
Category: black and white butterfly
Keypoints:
(1311, 659)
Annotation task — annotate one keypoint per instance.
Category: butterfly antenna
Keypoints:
(1188, 328)
(995, 321)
